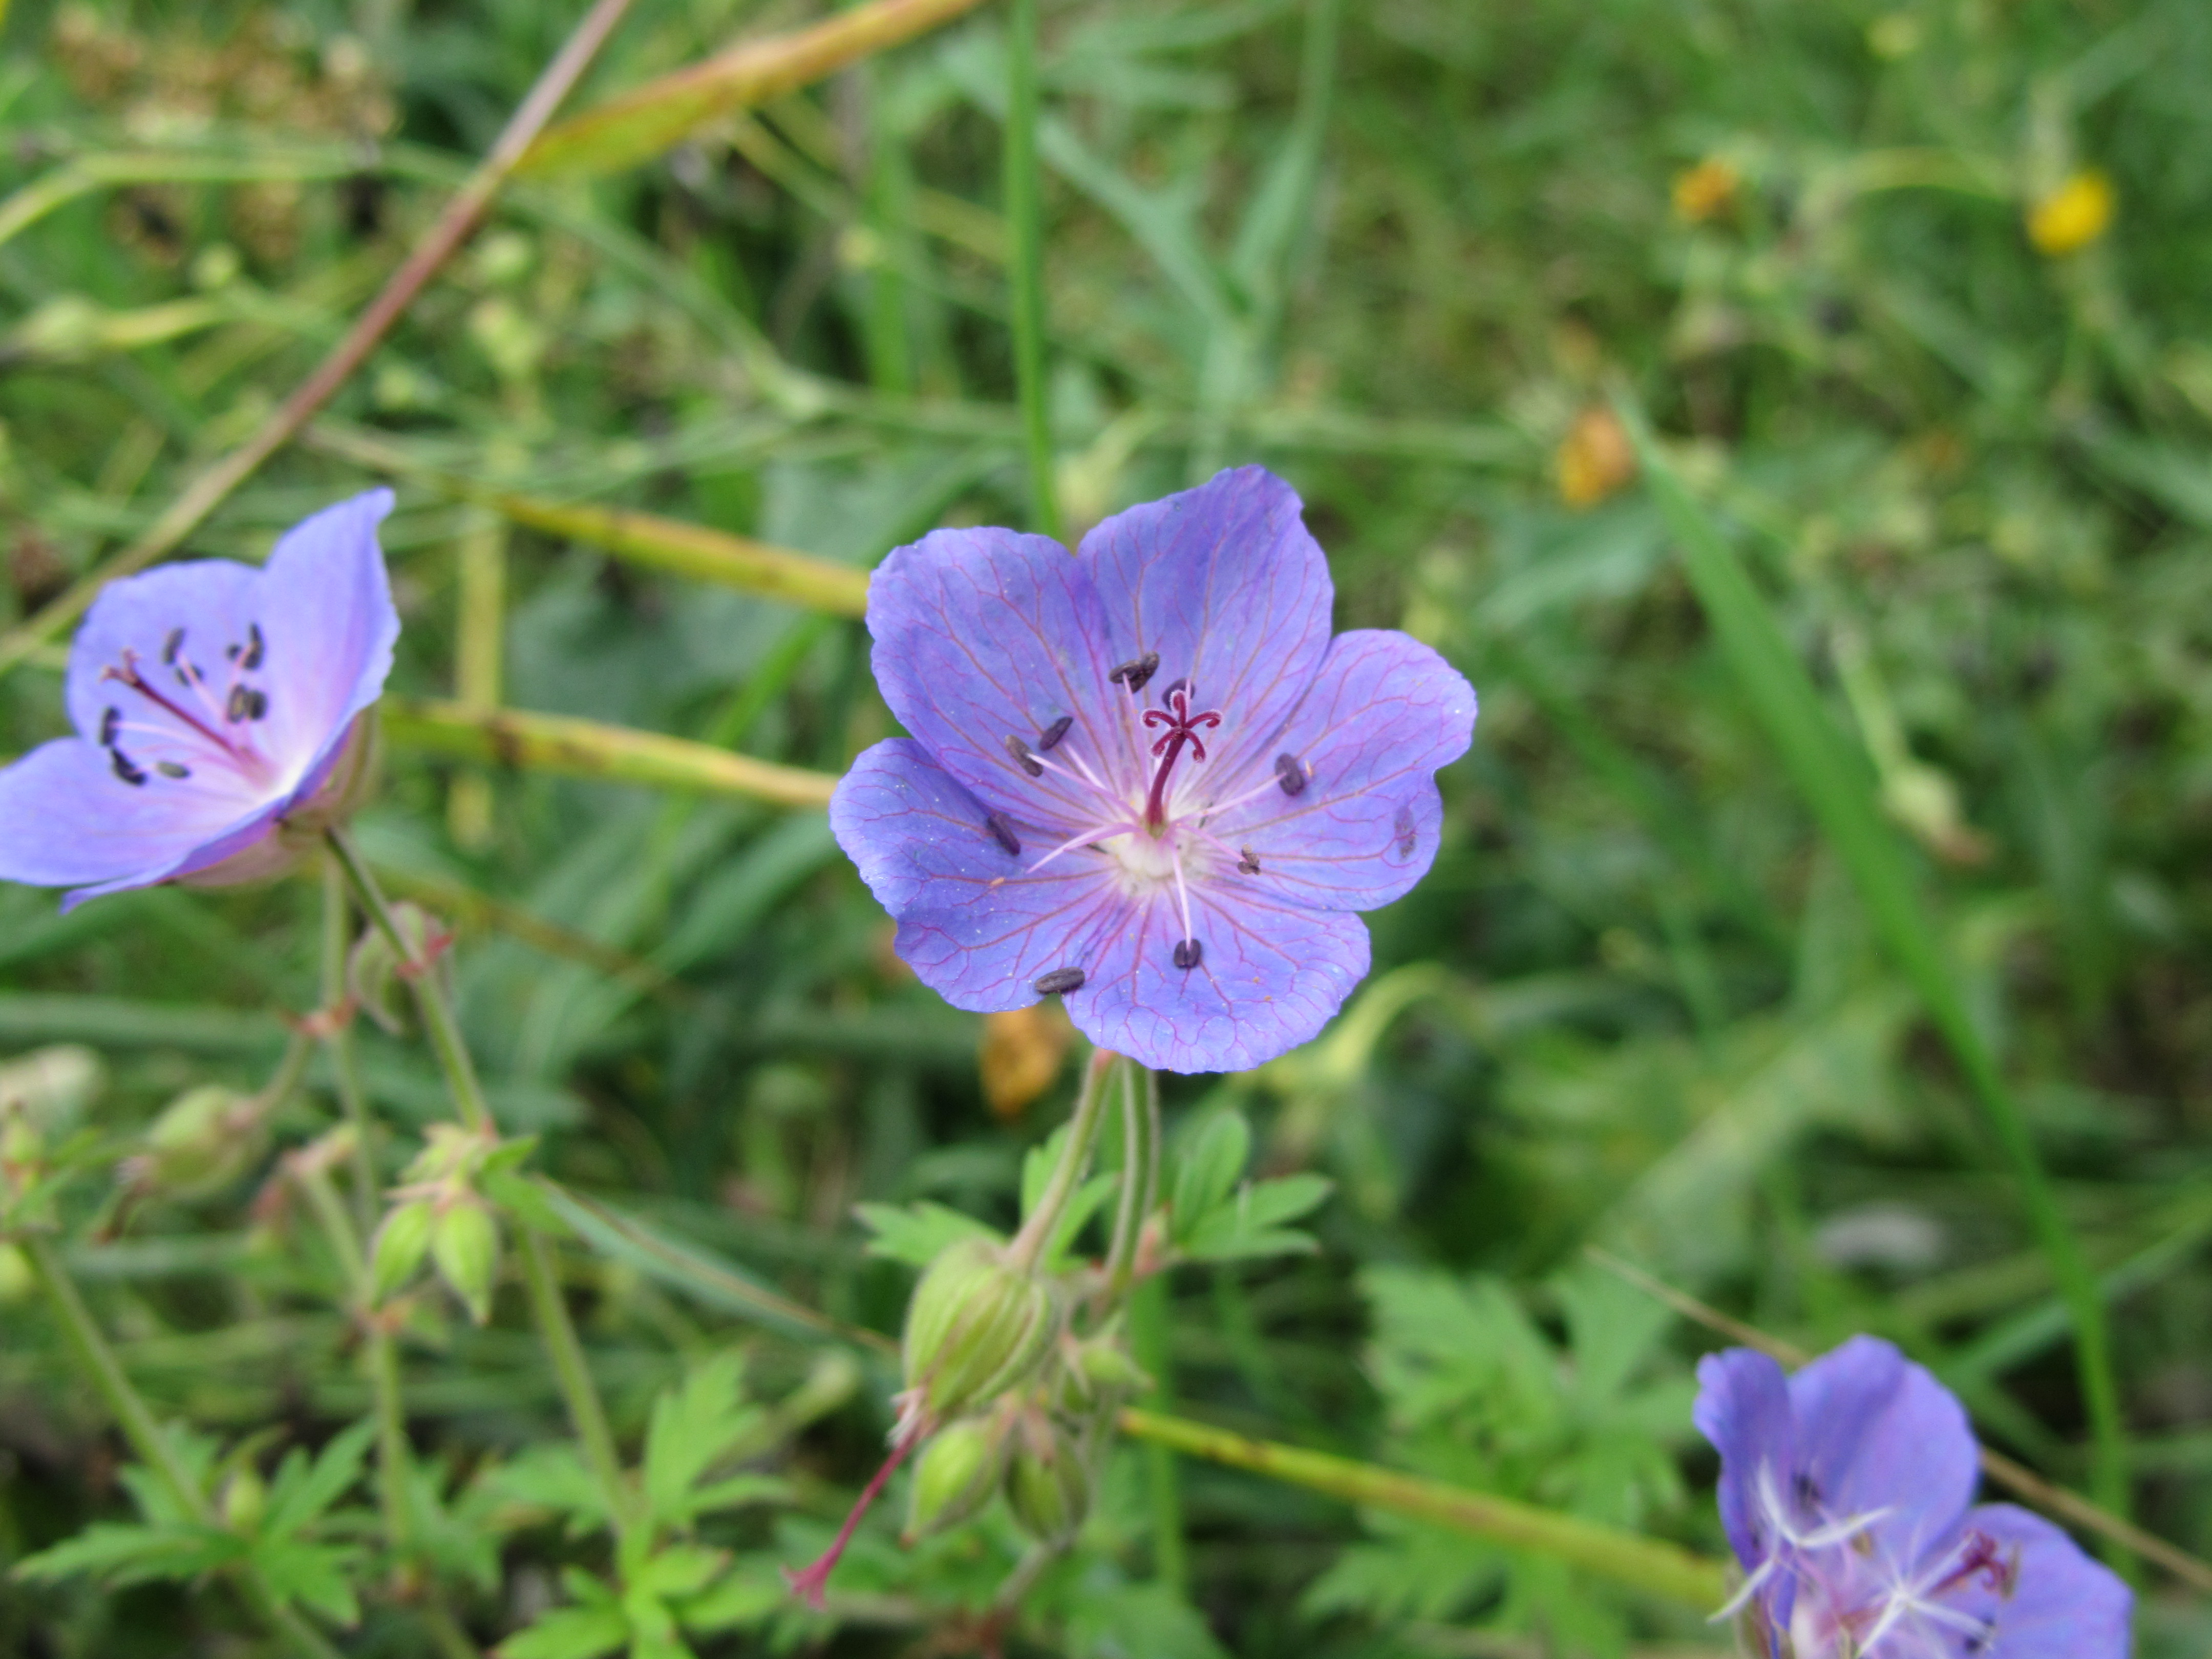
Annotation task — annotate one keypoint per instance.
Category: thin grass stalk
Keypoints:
(1646, 1564)
(1025, 192)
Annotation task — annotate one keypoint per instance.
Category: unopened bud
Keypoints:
(377, 972)
(957, 1471)
(203, 1141)
(1094, 1372)
(401, 1243)
(976, 1328)
(244, 1500)
(1046, 1486)
(464, 1243)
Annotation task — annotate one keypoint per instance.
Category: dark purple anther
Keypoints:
(998, 826)
(170, 646)
(257, 648)
(246, 704)
(1137, 673)
(1054, 734)
(1188, 953)
(1291, 775)
(172, 769)
(1023, 758)
(109, 723)
(1058, 983)
(1248, 861)
(125, 770)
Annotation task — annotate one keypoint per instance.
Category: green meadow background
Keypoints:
(1794, 415)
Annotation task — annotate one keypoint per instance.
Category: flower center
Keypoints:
(203, 728)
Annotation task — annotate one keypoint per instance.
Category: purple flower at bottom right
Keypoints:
(1845, 1492)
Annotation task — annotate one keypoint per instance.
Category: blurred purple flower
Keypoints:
(1844, 1492)
(218, 711)
(1145, 778)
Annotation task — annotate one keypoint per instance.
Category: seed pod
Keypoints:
(464, 1243)
(375, 974)
(976, 1328)
(956, 1475)
(401, 1243)
(1046, 1486)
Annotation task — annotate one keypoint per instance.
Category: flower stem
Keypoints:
(1646, 1564)
(572, 1373)
(1140, 1173)
(555, 1329)
(1025, 219)
(155, 1451)
(439, 1023)
(1043, 1221)
(337, 1042)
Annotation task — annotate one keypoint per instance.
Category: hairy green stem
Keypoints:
(574, 1373)
(136, 1418)
(1025, 221)
(1140, 1172)
(439, 1022)
(1645, 1564)
(554, 1329)
(1043, 1221)
(1149, 1332)
(337, 1042)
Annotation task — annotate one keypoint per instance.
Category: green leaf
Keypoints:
(570, 1633)
(917, 1234)
(317, 1576)
(1250, 1224)
(550, 1476)
(301, 1492)
(700, 1422)
(747, 1596)
(679, 1569)
(1208, 1163)
(120, 1553)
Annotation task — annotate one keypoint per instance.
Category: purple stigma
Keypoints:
(1181, 727)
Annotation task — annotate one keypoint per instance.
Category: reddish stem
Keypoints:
(809, 1584)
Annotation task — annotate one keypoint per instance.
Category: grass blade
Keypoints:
(1645, 1564)
(1833, 777)
(659, 115)
(568, 747)
(1025, 220)
(642, 538)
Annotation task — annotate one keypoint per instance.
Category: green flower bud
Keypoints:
(245, 1500)
(401, 1243)
(203, 1140)
(1094, 1372)
(376, 975)
(464, 1243)
(957, 1471)
(976, 1328)
(1046, 1486)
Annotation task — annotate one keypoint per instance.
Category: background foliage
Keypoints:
(1401, 251)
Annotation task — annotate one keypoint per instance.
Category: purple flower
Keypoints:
(218, 713)
(1844, 1492)
(1145, 778)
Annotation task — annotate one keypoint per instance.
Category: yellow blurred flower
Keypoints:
(1704, 191)
(1021, 1055)
(2072, 216)
(1594, 459)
